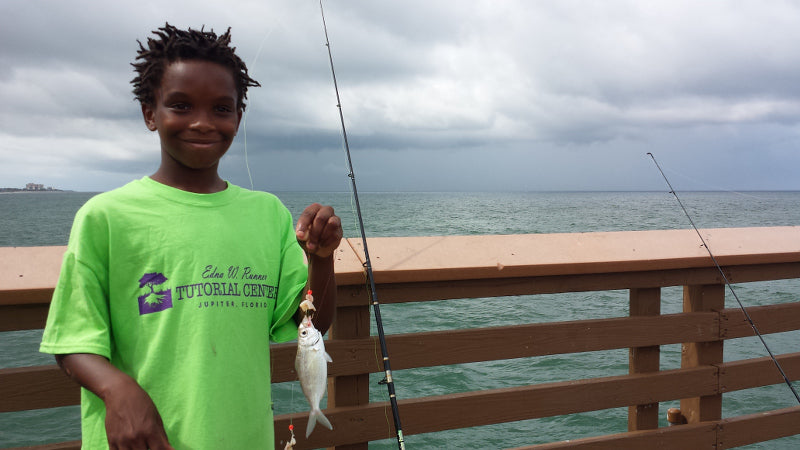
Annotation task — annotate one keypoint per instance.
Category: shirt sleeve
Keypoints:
(78, 320)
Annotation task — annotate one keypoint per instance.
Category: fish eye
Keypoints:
(304, 332)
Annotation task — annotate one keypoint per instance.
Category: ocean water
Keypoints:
(32, 219)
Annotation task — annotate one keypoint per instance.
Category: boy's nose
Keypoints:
(202, 121)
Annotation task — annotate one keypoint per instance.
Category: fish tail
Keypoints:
(315, 416)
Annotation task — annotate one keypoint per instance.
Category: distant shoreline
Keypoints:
(32, 191)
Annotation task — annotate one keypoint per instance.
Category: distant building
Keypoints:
(31, 187)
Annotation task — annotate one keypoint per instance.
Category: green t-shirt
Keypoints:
(183, 292)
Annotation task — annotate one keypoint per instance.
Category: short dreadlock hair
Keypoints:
(173, 45)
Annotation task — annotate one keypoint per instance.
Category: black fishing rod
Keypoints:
(367, 263)
(728, 283)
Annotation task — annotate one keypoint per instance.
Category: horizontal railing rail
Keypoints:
(410, 270)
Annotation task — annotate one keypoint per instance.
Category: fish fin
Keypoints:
(328, 357)
(315, 416)
(312, 420)
(324, 421)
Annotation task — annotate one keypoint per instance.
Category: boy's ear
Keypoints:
(149, 115)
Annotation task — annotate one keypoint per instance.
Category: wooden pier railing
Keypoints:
(447, 267)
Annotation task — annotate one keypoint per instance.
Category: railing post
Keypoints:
(644, 302)
(710, 297)
(352, 322)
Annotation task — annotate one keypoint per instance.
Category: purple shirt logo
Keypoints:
(154, 301)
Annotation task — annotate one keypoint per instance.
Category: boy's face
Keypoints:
(195, 113)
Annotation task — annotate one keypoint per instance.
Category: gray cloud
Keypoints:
(444, 95)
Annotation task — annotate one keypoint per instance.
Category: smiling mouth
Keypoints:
(201, 143)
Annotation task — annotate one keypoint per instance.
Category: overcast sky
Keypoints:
(437, 95)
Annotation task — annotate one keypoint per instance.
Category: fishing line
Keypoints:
(367, 263)
(711, 187)
(252, 68)
(244, 119)
(246, 158)
(354, 213)
(727, 282)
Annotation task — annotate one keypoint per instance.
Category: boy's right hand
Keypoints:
(132, 420)
(319, 230)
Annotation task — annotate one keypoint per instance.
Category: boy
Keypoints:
(173, 285)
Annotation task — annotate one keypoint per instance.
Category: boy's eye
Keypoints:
(180, 106)
(224, 108)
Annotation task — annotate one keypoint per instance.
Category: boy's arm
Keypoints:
(132, 420)
(322, 281)
(319, 232)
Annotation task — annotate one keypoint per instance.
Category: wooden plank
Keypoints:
(29, 316)
(644, 359)
(695, 436)
(542, 284)
(28, 274)
(758, 427)
(349, 269)
(474, 257)
(723, 434)
(24, 388)
(757, 372)
(484, 344)
(415, 291)
(694, 354)
(351, 295)
(468, 409)
(552, 399)
(761, 272)
(71, 445)
(436, 348)
(768, 319)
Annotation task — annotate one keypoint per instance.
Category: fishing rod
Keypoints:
(367, 262)
(728, 283)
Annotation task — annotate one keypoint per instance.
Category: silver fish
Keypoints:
(311, 365)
